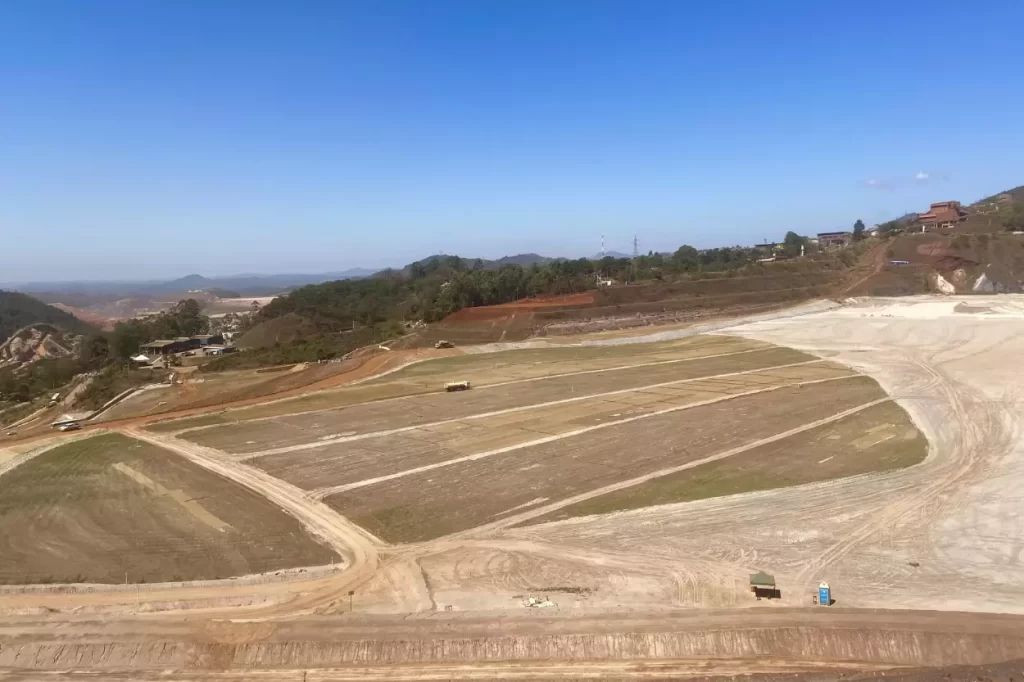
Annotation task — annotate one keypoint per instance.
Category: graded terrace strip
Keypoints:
(110, 507)
(258, 436)
(537, 362)
(353, 461)
(445, 500)
(189, 423)
(482, 369)
(878, 438)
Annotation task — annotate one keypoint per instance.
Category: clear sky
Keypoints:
(157, 138)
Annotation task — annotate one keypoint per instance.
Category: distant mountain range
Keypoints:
(243, 285)
(246, 285)
(523, 260)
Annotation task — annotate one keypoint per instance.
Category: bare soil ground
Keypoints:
(526, 304)
(653, 592)
(358, 369)
(879, 438)
(190, 422)
(943, 534)
(357, 459)
(686, 645)
(525, 361)
(960, 255)
(427, 505)
(256, 436)
(213, 390)
(101, 508)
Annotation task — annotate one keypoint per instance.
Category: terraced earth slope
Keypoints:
(110, 509)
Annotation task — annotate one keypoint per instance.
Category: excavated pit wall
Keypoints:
(885, 646)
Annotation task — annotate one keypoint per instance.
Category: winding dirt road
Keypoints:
(358, 547)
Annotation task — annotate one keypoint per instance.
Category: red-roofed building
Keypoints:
(942, 214)
(828, 240)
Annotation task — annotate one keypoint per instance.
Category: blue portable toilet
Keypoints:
(824, 594)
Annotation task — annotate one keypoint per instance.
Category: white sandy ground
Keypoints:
(955, 365)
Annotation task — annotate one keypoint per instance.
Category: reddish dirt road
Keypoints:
(369, 366)
(876, 256)
(526, 305)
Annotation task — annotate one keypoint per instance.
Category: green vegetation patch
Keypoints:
(556, 355)
(110, 508)
(426, 504)
(878, 438)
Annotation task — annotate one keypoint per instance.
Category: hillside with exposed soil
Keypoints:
(960, 263)
(18, 311)
(36, 342)
(757, 288)
(982, 254)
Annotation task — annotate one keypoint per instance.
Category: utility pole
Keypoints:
(636, 254)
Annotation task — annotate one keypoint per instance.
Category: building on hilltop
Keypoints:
(828, 240)
(942, 214)
(209, 339)
(769, 251)
(180, 344)
(159, 347)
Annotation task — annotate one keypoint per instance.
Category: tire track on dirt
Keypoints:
(976, 443)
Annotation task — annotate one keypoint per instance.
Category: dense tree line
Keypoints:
(430, 290)
(374, 309)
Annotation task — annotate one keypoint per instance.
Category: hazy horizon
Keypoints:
(101, 279)
(151, 141)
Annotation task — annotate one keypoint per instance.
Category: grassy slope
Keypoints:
(429, 504)
(843, 448)
(69, 516)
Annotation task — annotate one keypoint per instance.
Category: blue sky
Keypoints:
(155, 139)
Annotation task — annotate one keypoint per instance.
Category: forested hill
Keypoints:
(18, 310)
(523, 260)
(426, 290)
(435, 287)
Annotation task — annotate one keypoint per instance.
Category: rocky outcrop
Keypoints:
(34, 342)
(942, 285)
